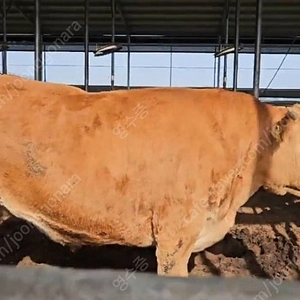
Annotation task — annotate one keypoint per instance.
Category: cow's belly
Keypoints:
(65, 234)
(213, 232)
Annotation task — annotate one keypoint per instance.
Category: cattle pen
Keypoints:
(250, 46)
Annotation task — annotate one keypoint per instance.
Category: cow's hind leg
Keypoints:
(173, 255)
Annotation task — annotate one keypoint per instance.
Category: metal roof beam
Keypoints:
(25, 15)
(224, 17)
(7, 7)
(121, 13)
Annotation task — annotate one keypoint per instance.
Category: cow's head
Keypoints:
(282, 170)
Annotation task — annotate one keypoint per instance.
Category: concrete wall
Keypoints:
(43, 283)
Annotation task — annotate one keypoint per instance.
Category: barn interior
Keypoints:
(265, 242)
(158, 27)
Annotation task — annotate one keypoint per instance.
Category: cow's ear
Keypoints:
(277, 131)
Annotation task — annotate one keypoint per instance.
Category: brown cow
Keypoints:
(168, 167)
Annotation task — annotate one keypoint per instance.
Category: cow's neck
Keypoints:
(275, 177)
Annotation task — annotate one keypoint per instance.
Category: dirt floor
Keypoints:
(264, 243)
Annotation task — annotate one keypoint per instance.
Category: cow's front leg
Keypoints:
(175, 230)
(173, 256)
(174, 246)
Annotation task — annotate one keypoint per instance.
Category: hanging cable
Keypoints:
(282, 62)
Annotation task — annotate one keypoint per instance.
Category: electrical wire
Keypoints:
(282, 62)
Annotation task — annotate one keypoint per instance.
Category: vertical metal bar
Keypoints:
(226, 42)
(236, 50)
(128, 62)
(38, 53)
(113, 17)
(257, 56)
(45, 64)
(219, 64)
(4, 50)
(215, 68)
(86, 45)
(171, 65)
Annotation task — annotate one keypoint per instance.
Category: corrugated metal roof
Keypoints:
(167, 21)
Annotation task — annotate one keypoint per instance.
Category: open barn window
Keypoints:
(64, 67)
(20, 63)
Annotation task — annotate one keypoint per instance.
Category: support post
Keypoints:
(257, 55)
(215, 69)
(38, 53)
(236, 51)
(226, 42)
(45, 63)
(4, 50)
(113, 17)
(86, 45)
(128, 62)
(219, 64)
(171, 65)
